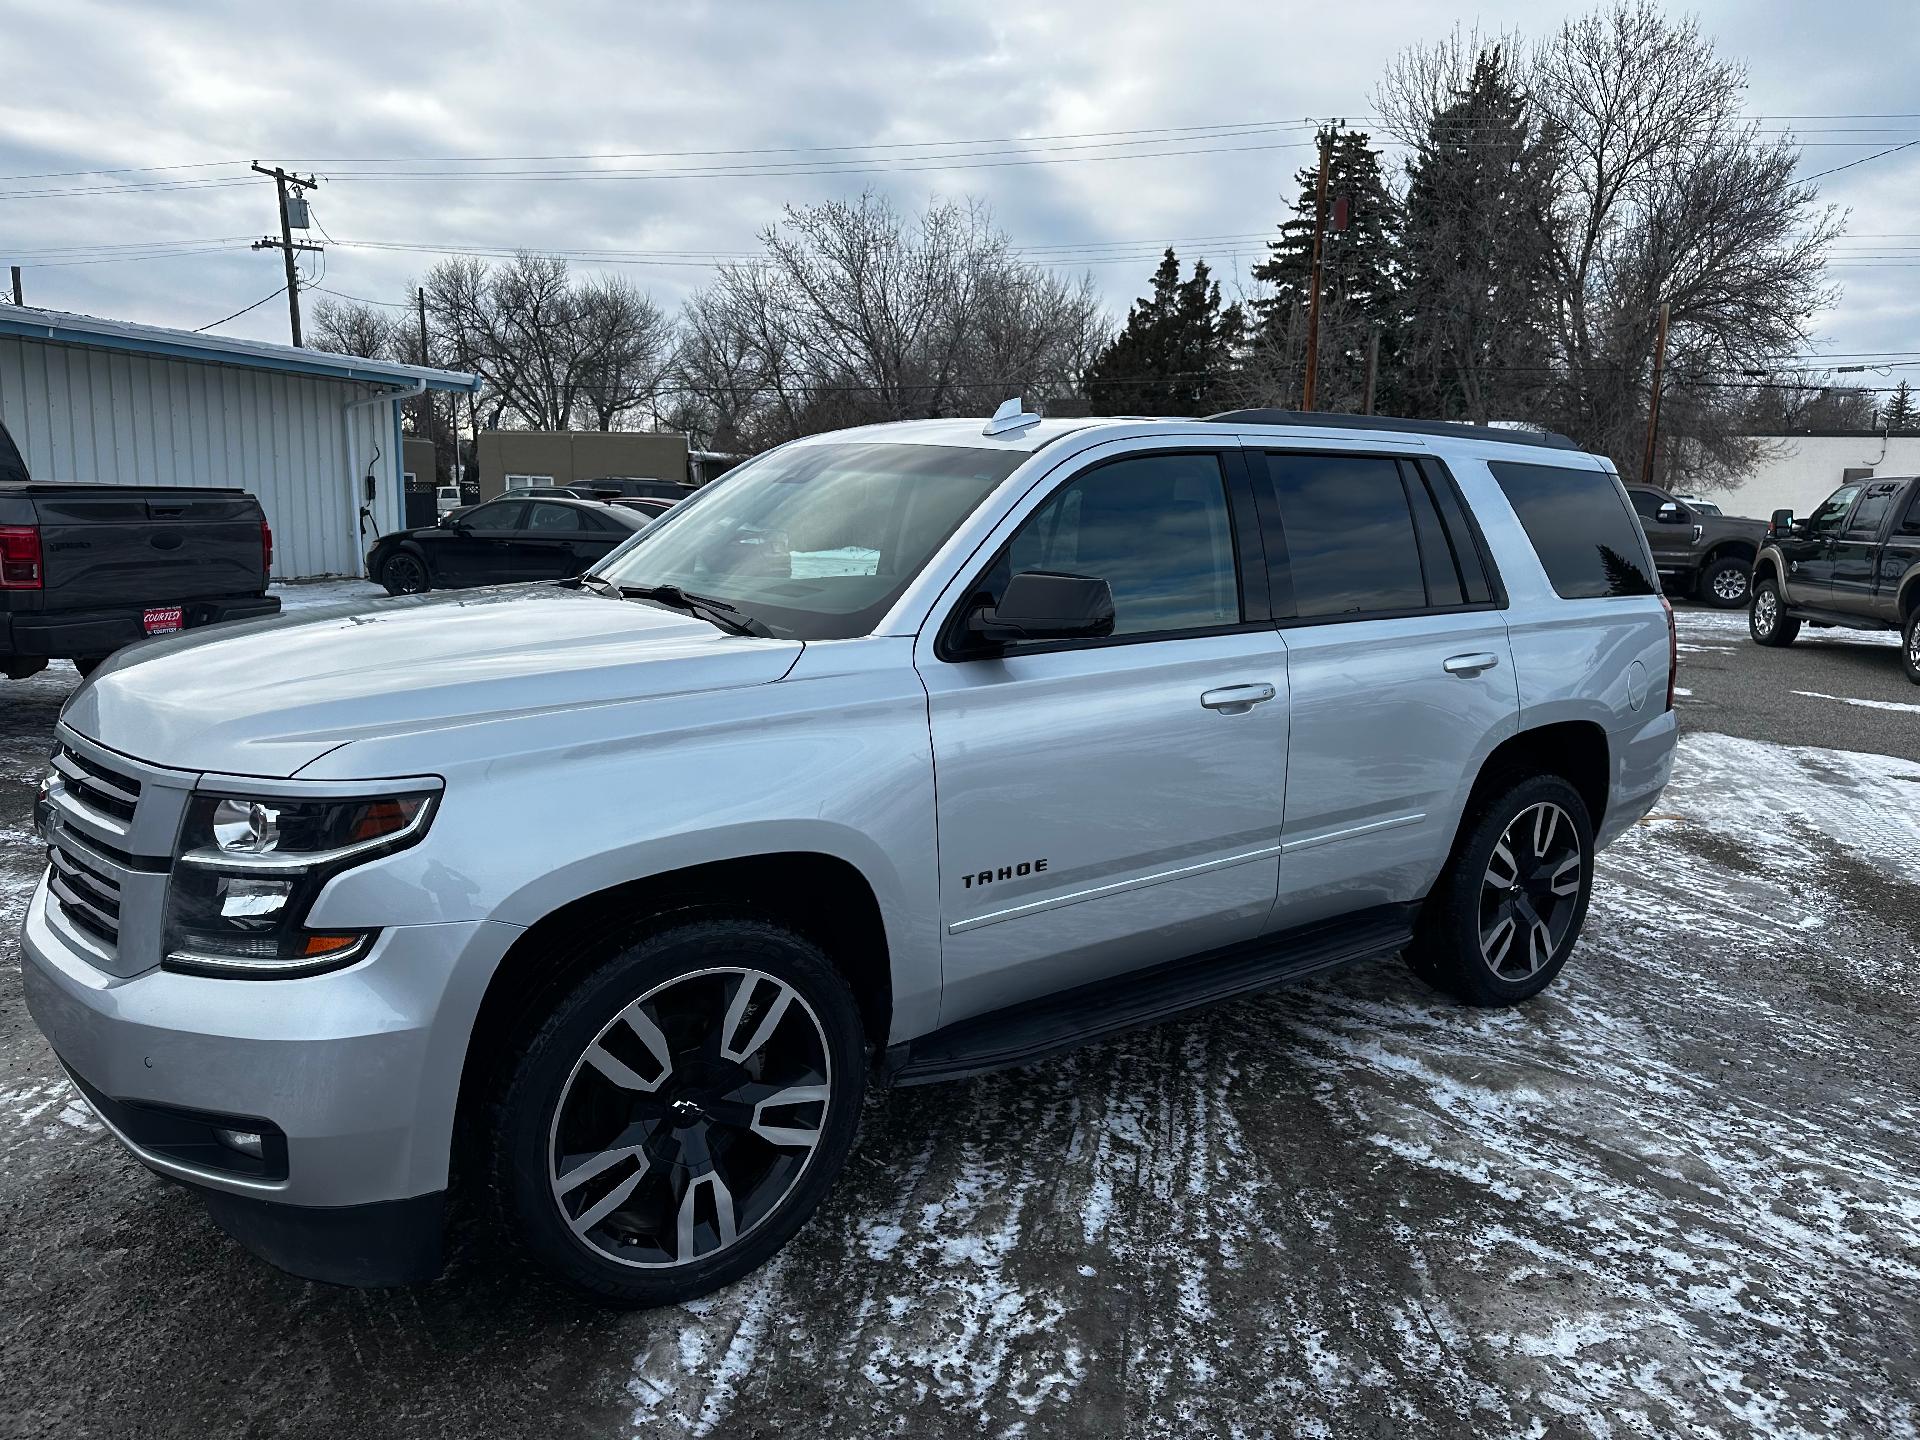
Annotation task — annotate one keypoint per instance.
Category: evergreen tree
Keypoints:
(1477, 248)
(1175, 352)
(1901, 412)
(1358, 283)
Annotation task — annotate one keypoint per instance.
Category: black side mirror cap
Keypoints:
(1044, 605)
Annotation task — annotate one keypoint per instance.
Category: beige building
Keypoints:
(516, 459)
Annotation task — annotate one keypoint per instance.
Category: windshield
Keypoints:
(816, 542)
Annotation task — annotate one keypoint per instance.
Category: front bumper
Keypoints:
(359, 1071)
(83, 633)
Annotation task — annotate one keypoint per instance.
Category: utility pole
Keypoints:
(1313, 300)
(1373, 366)
(426, 396)
(16, 286)
(1653, 407)
(285, 244)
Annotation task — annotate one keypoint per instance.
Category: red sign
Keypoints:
(159, 619)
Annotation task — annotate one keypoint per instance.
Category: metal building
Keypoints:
(112, 402)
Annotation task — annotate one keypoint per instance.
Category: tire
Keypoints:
(1726, 583)
(404, 573)
(87, 664)
(1486, 942)
(1910, 647)
(743, 1011)
(1767, 618)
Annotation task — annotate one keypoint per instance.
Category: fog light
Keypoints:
(247, 1142)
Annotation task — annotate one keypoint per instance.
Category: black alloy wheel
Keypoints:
(404, 573)
(1910, 647)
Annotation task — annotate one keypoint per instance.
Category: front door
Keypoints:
(478, 548)
(1856, 549)
(1107, 804)
(1399, 674)
(1808, 549)
(1670, 538)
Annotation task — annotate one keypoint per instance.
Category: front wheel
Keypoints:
(681, 1112)
(1767, 618)
(1726, 583)
(1910, 647)
(1505, 916)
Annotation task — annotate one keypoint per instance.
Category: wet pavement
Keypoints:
(1678, 1194)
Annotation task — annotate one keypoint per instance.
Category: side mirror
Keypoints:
(1781, 522)
(1041, 605)
(1670, 513)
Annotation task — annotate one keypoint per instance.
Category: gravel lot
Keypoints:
(1679, 1194)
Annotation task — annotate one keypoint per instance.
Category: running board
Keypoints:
(1027, 1032)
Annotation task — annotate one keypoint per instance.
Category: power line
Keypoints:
(1835, 170)
(243, 310)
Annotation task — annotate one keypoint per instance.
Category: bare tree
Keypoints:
(351, 328)
(853, 314)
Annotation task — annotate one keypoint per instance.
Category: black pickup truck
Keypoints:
(85, 569)
(1854, 562)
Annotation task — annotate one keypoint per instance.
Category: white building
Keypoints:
(115, 403)
(1797, 472)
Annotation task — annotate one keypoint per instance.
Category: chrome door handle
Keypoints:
(1237, 699)
(1470, 664)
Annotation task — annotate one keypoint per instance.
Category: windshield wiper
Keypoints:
(717, 612)
(599, 584)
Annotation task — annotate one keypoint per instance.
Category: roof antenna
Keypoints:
(1009, 418)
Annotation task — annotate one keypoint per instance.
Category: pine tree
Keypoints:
(1477, 248)
(1175, 352)
(1901, 412)
(1358, 283)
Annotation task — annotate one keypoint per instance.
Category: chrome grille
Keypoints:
(97, 786)
(89, 897)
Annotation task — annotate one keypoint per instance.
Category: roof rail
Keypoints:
(1546, 439)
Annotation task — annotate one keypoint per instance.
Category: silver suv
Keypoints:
(904, 754)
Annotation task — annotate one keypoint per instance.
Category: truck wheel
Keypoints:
(1910, 649)
(1767, 618)
(1725, 584)
(1505, 916)
(404, 573)
(681, 1112)
(87, 664)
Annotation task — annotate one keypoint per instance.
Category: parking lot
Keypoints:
(1677, 1194)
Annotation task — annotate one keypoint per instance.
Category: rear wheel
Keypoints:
(682, 1112)
(1726, 583)
(87, 664)
(1767, 618)
(1506, 915)
(404, 573)
(1910, 647)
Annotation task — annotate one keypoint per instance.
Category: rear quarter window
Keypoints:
(1588, 540)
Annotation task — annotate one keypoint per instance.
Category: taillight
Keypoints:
(266, 548)
(1673, 650)
(20, 567)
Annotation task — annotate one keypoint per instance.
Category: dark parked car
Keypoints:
(500, 542)
(606, 487)
(1700, 552)
(650, 506)
(85, 569)
(1854, 562)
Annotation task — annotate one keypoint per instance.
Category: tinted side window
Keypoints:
(1587, 541)
(1871, 510)
(541, 515)
(1911, 524)
(1156, 529)
(1437, 560)
(1646, 504)
(1833, 510)
(1466, 549)
(1350, 543)
(500, 515)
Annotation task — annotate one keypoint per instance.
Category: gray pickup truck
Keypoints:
(1854, 562)
(88, 568)
(1699, 551)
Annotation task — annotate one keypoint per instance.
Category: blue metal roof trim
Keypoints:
(60, 328)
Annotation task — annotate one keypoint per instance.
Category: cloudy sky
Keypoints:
(1166, 123)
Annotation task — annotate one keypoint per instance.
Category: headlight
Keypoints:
(250, 870)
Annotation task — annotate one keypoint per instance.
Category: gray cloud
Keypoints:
(99, 85)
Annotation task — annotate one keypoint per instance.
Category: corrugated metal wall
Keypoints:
(108, 416)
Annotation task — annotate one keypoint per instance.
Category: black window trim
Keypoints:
(1851, 532)
(1443, 489)
(1250, 570)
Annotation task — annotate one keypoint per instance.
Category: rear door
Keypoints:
(123, 547)
(1671, 540)
(1398, 670)
(1110, 803)
(1856, 549)
(557, 541)
(479, 550)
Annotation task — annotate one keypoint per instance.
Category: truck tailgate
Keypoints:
(157, 548)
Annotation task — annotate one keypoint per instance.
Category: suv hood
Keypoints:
(269, 697)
